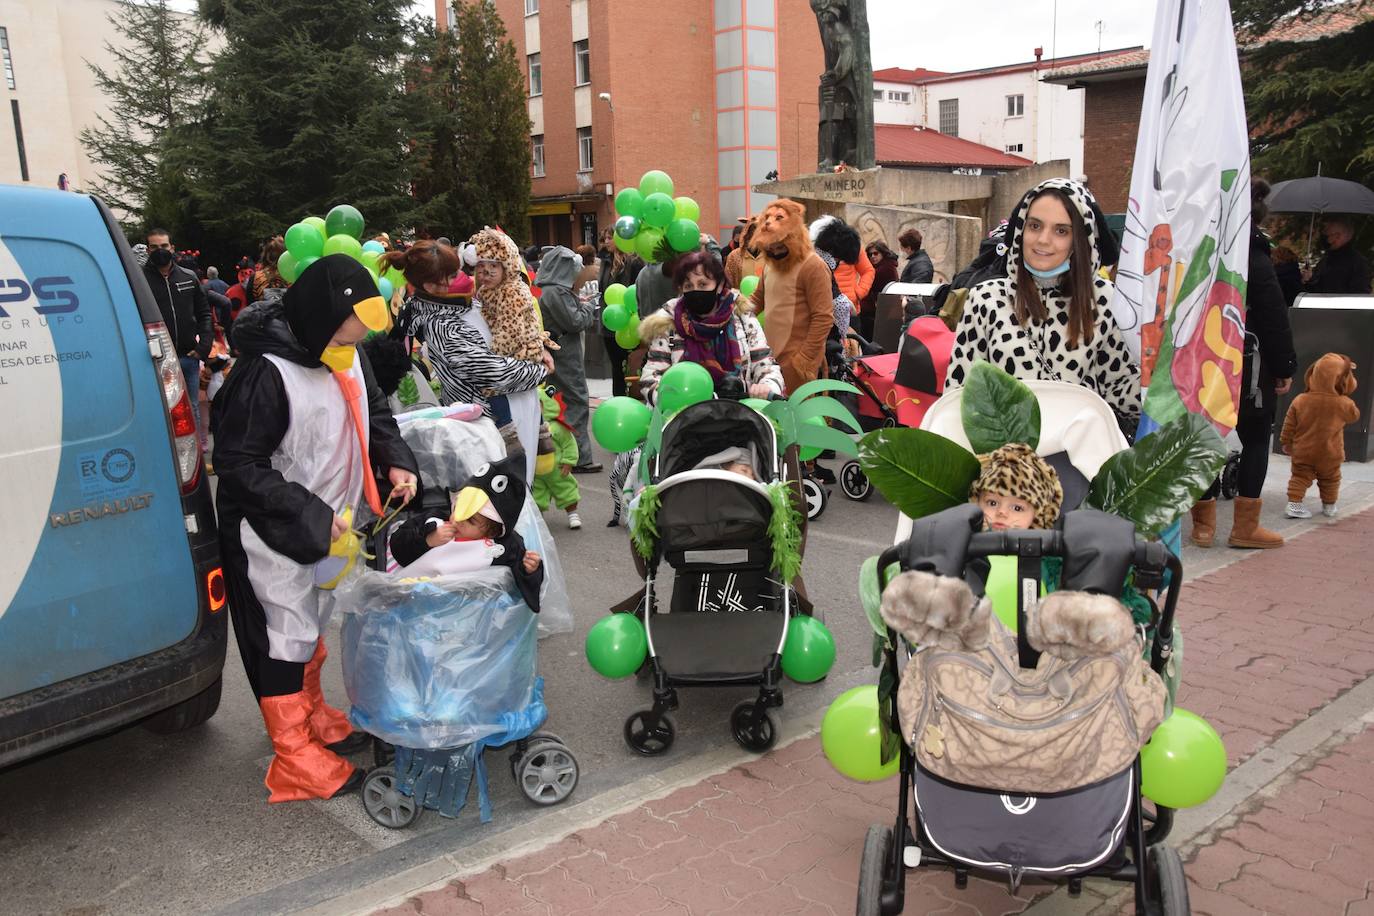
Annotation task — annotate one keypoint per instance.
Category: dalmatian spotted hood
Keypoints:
(1101, 243)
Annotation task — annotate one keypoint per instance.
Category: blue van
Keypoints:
(112, 600)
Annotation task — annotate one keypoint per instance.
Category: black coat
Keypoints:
(918, 269)
(1342, 270)
(1266, 320)
(185, 310)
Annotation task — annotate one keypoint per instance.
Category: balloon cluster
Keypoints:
(649, 215)
(622, 423)
(621, 314)
(339, 232)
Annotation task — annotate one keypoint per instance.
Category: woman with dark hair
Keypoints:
(1050, 316)
(884, 272)
(1266, 373)
(918, 267)
(708, 324)
(455, 335)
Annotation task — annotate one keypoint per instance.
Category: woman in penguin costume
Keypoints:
(301, 431)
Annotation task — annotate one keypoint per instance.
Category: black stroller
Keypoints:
(1102, 830)
(727, 619)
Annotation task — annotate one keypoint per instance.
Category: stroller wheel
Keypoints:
(649, 740)
(754, 732)
(1168, 885)
(518, 755)
(854, 482)
(877, 852)
(547, 773)
(385, 803)
(815, 498)
(1230, 477)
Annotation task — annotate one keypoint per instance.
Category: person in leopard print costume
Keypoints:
(1050, 317)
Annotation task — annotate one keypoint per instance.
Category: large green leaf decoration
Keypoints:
(823, 437)
(784, 417)
(818, 385)
(919, 472)
(997, 409)
(1161, 476)
(828, 407)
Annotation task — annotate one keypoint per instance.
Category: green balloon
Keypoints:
(749, 284)
(683, 235)
(658, 211)
(301, 266)
(851, 736)
(683, 384)
(1184, 762)
(626, 246)
(809, 650)
(627, 227)
(646, 244)
(629, 202)
(319, 225)
(617, 645)
(302, 241)
(686, 208)
(620, 424)
(344, 220)
(631, 300)
(343, 244)
(1001, 589)
(288, 266)
(808, 452)
(756, 403)
(614, 295)
(615, 316)
(628, 336)
(655, 182)
(396, 276)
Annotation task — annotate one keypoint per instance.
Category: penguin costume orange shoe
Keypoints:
(301, 432)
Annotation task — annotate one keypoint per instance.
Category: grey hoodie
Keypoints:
(564, 313)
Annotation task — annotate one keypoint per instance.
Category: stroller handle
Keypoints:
(1151, 561)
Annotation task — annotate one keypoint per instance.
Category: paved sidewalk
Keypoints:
(1279, 653)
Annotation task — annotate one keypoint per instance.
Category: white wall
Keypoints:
(1051, 126)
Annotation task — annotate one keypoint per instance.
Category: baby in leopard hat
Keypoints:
(1016, 489)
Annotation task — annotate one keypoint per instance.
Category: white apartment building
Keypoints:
(1006, 108)
(47, 93)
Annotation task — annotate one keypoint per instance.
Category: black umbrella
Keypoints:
(1320, 194)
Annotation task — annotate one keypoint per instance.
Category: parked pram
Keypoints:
(731, 600)
(1103, 829)
(895, 389)
(440, 669)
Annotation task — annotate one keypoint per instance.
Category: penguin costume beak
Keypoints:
(327, 294)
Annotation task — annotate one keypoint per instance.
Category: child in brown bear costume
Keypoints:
(1015, 489)
(1314, 433)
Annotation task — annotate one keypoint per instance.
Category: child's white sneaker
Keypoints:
(1329, 510)
(1297, 510)
(574, 521)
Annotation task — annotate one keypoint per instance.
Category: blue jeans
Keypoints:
(190, 368)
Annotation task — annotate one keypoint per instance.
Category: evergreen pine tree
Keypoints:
(305, 111)
(154, 89)
(470, 128)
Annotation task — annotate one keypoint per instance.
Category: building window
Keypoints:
(584, 149)
(536, 75)
(19, 140)
(1016, 147)
(877, 95)
(537, 154)
(1016, 106)
(949, 117)
(531, 7)
(894, 96)
(5, 54)
(582, 62)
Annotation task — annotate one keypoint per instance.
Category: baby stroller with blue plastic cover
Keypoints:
(1102, 829)
(439, 669)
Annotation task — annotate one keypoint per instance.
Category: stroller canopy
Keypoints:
(703, 429)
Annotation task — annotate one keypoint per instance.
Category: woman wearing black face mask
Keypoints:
(711, 325)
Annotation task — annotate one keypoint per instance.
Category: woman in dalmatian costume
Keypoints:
(1050, 316)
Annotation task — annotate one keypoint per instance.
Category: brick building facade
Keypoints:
(715, 92)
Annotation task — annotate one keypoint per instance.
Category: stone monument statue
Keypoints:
(846, 92)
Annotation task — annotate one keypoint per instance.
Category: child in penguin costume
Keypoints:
(479, 533)
(301, 431)
(553, 480)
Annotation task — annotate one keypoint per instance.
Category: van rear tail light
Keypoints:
(177, 401)
(214, 588)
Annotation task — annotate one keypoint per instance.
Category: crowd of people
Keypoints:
(483, 323)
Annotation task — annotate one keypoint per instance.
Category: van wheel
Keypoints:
(188, 713)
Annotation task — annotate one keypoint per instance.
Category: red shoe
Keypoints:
(328, 724)
(302, 768)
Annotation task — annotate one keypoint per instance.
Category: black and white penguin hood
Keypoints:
(502, 483)
(323, 298)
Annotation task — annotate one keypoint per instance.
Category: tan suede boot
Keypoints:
(1204, 522)
(1247, 531)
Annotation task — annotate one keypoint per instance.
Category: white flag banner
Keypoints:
(1180, 284)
